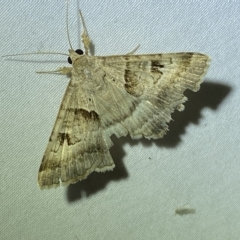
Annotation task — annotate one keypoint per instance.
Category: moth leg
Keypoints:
(85, 38)
(62, 70)
(134, 50)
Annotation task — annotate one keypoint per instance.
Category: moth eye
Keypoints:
(69, 60)
(79, 52)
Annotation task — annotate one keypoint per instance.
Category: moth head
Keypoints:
(73, 55)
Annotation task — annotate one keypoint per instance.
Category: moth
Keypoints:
(117, 94)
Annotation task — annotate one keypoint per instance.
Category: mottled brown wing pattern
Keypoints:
(129, 94)
(76, 146)
(146, 89)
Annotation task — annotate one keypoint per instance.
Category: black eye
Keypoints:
(79, 52)
(69, 60)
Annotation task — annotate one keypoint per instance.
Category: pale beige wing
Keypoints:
(76, 146)
(133, 94)
(143, 91)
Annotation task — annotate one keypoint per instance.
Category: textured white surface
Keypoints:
(195, 165)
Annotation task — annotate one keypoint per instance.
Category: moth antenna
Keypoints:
(56, 53)
(33, 53)
(85, 38)
(67, 26)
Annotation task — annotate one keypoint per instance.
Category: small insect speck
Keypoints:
(185, 211)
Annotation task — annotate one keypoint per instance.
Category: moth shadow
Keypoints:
(98, 181)
(211, 95)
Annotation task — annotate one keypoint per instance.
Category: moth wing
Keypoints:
(143, 91)
(76, 146)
